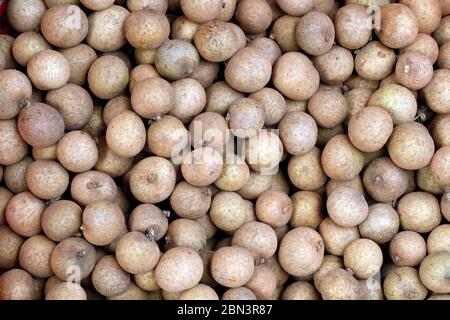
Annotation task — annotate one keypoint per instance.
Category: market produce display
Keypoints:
(225, 149)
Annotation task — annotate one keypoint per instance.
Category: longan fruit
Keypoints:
(92, 186)
(298, 85)
(15, 93)
(206, 73)
(307, 210)
(411, 146)
(15, 175)
(220, 96)
(240, 293)
(102, 222)
(329, 263)
(179, 269)
(248, 70)
(268, 46)
(227, 211)
(274, 208)
(335, 237)
(153, 97)
(99, 77)
(117, 105)
(235, 174)
(335, 66)
(34, 256)
(382, 223)
(301, 252)
(73, 259)
(259, 19)
(347, 207)
(136, 253)
(300, 290)
(305, 171)
(190, 99)
(259, 238)
(152, 180)
(108, 278)
(48, 70)
(384, 181)
(328, 108)
(375, 61)
(273, 103)
(296, 8)
(66, 291)
(132, 292)
(393, 15)
(434, 271)
(146, 29)
(439, 239)
(434, 92)
(246, 117)
(10, 244)
(298, 131)
(176, 59)
(426, 181)
(363, 257)
(189, 201)
(77, 151)
(414, 70)
(315, 33)
(167, 137)
(73, 103)
(440, 166)
(184, 29)
(443, 60)
(424, 44)
(80, 59)
(61, 220)
(106, 29)
(428, 13)
(263, 282)
(419, 212)
(201, 11)
(16, 284)
(403, 283)
(232, 267)
(370, 129)
(5, 196)
(186, 233)
(353, 26)
(340, 284)
(111, 163)
(256, 184)
(12, 146)
(25, 15)
(140, 73)
(23, 214)
(284, 33)
(199, 292)
(40, 125)
(407, 248)
(147, 218)
(59, 27)
(202, 166)
(47, 179)
(340, 159)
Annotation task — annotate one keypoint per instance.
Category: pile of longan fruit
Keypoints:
(225, 149)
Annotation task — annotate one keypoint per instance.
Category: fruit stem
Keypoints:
(24, 103)
(166, 213)
(152, 177)
(93, 185)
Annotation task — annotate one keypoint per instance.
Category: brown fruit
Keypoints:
(440, 166)
(220, 96)
(117, 105)
(335, 66)
(263, 282)
(149, 219)
(15, 93)
(201, 11)
(47, 179)
(328, 108)
(99, 77)
(246, 117)
(199, 292)
(15, 175)
(179, 269)
(315, 33)
(353, 26)
(206, 73)
(300, 290)
(347, 207)
(10, 244)
(16, 284)
(186, 233)
(307, 210)
(167, 137)
(152, 180)
(227, 211)
(34, 256)
(339, 284)
(77, 151)
(434, 92)
(48, 70)
(102, 222)
(189, 201)
(301, 252)
(335, 237)
(235, 174)
(393, 15)
(146, 29)
(190, 99)
(61, 220)
(25, 15)
(106, 29)
(274, 208)
(202, 166)
(439, 239)
(424, 44)
(23, 214)
(12, 147)
(91, 186)
(240, 293)
(258, 70)
(414, 70)
(80, 59)
(176, 59)
(184, 29)
(434, 271)
(66, 291)
(253, 16)
(419, 212)
(284, 33)
(136, 253)
(381, 225)
(403, 283)
(232, 267)
(40, 125)
(299, 85)
(428, 13)
(64, 26)
(411, 146)
(375, 61)
(259, 238)
(305, 171)
(363, 257)
(73, 259)
(407, 248)
(267, 46)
